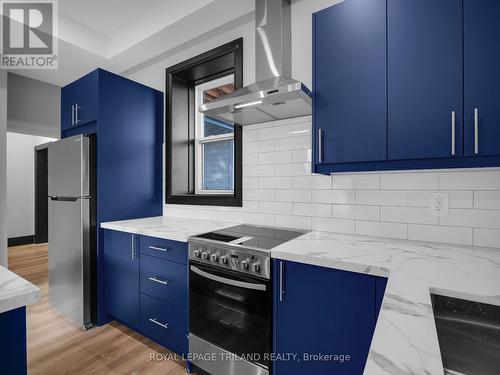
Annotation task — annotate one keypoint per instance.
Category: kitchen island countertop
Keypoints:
(15, 291)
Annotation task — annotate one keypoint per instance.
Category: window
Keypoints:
(214, 150)
(203, 158)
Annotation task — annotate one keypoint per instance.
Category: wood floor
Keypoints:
(56, 347)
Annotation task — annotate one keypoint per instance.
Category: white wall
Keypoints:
(279, 189)
(21, 183)
(3, 168)
(34, 107)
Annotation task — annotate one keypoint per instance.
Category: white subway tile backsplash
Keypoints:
(487, 237)
(278, 208)
(258, 195)
(381, 229)
(293, 169)
(289, 221)
(293, 196)
(406, 181)
(456, 199)
(333, 225)
(275, 132)
(334, 196)
(250, 182)
(258, 170)
(487, 199)
(415, 215)
(356, 181)
(312, 182)
(275, 182)
(279, 189)
(292, 143)
(351, 211)
(473, 180)
(437, 233)
(299, 156)
(312, 209)
(277, 157)
(381, 197)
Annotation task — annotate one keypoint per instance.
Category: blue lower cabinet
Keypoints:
(165, 324)
(174, 251)
(164, 280)
(325, 316)
(121, 277)
(13, 356)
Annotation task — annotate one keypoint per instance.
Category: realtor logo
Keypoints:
(28, 30)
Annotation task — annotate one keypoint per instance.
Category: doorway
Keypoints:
(41, 194)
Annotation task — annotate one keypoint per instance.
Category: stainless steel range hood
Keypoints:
(275, 95)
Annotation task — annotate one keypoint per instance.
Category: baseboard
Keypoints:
(18, 241)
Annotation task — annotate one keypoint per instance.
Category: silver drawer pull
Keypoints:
(476, 130)
(158, 280)
(453, 131)
(158, 248)
(155, 321)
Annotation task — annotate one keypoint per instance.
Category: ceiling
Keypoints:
(120, 35)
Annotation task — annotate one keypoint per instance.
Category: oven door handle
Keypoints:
(239, 284)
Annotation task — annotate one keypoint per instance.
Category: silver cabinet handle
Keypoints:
(72, 115)
(320, 145)
(155, 321)
(453, 131)
(76, 114)
(158, 280)
(476, 130)
(223, 280)
(133, 247)
(281, 281)
(158, 248)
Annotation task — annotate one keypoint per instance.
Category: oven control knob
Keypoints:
(197, 253)
(244, 263)
(206, 255)
(223, 259)
(256, 267)
(214, 257)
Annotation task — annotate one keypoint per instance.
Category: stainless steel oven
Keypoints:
(230, 298)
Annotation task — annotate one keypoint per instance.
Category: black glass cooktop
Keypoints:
(259, 237)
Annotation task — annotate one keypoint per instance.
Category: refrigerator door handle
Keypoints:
(63, 199)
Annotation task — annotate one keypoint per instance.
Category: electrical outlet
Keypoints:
(439, 204)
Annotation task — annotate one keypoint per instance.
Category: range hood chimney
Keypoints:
(275, 95)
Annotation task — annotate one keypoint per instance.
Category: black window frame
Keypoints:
(199, 69)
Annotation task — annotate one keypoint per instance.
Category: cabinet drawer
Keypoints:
(165, 324)
(165, 249)
(164, 280)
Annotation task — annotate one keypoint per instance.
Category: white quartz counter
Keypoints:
(15, 291)
(170, 228)
(405, 339)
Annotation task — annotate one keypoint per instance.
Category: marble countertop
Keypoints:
(170, 228)
(405, 339)
(15, 291)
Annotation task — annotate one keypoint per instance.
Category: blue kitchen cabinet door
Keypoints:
(121, 277)
(425, 78)
(79, 101)
(349, 82)
(322, 310)
(13, 346)
(482, 76)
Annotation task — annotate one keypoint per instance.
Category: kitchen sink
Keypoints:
(469, 335)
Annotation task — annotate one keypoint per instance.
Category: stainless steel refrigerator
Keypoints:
(72, 228)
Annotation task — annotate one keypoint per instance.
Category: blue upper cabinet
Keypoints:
(79, 101)
(323, 310)
(424, 78)
(482, 77)
(406, 84)
(349, 79)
